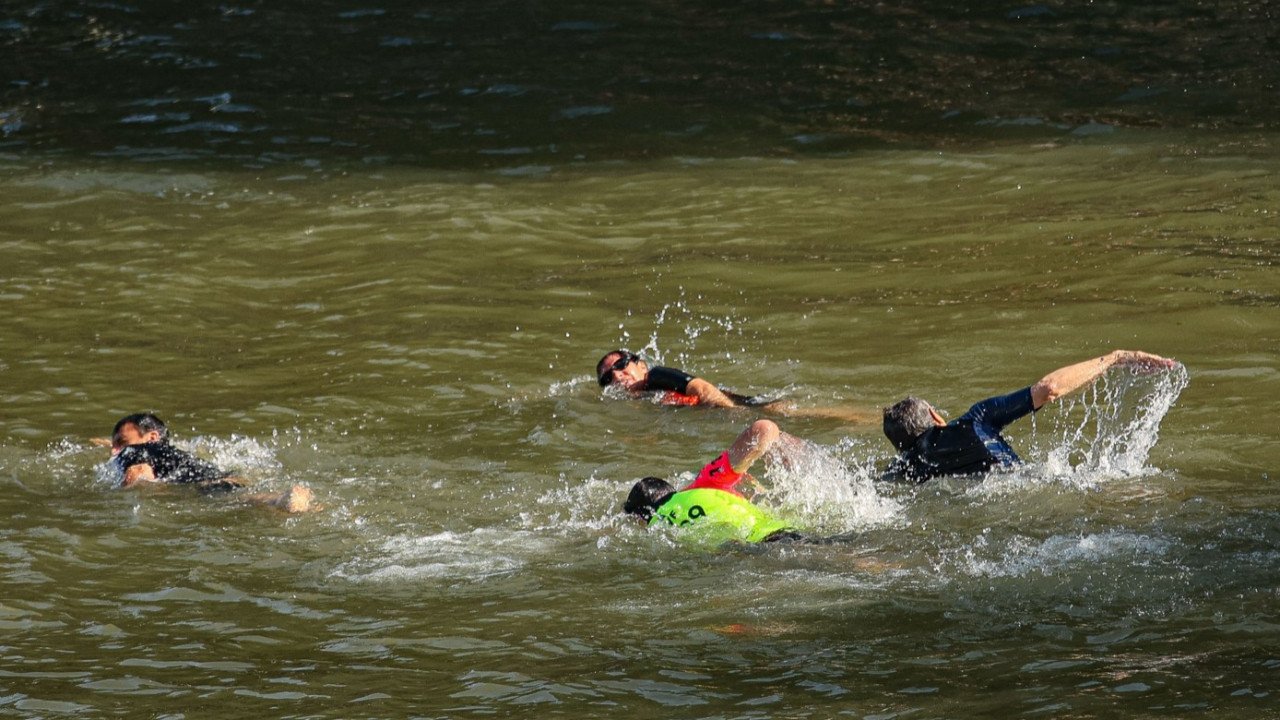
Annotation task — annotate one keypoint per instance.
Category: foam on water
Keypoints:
(592, 504)
(1020, 556)
(474, 555)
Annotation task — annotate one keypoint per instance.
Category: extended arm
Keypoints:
(753, 443)
(850, 415)
(708, 394)
(1067, 380)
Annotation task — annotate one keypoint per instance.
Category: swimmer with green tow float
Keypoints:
(712, 502)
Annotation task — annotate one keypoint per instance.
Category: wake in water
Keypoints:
(474, 556)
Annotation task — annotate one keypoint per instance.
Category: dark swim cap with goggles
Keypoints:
(606, 374)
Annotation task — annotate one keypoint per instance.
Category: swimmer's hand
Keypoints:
(100, 442)
(138, 474)
(752, 487)
(297, 499)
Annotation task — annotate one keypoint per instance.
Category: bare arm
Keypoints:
(753, 443)
(1067, 380)
(850, 415)
(141, 472)
(708, 394)
(298, 498)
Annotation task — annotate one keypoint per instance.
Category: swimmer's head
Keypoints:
(646, 496)
(621, 367)
(908, 419)
(137, 429)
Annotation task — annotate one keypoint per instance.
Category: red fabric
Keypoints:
(675, 398)
(718, 475)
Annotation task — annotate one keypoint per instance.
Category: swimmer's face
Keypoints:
(626, 370)
(129, 434)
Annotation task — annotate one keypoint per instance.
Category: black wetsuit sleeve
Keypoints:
(194, 470)
(997, 412)
(170, 464)
(668, 379)
(133, 455)
(673, 380)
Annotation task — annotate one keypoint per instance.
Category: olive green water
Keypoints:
(417, 347)
(377, 249)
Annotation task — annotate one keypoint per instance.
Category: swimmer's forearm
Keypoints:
(1067, 380)
(137, 474)
(708, 394)
(752, 444)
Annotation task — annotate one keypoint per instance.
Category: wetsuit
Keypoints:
(970, 444)
(675, 384)
(175, 466)
(720, 511)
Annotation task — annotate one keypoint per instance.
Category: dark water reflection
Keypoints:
(520, 83)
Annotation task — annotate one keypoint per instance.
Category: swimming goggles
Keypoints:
(606, 375)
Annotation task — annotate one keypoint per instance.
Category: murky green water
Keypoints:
(417, 347)
(378, 250)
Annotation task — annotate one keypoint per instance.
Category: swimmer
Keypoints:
(930, 447)
(712, 501)
(632, 373)
(141, 450)
(677, 387)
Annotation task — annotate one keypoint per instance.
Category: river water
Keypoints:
(408, 322)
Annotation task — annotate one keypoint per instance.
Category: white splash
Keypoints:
(693, 326)
(1110, 429)
(826, 494)
(238, 454)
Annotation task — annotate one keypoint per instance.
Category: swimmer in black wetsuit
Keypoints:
(141, 450)
(931, 447)
(631, 372)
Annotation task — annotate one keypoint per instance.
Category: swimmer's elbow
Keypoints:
(766, 431)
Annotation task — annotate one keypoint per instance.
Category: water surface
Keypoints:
(378, 249)
(417, 347)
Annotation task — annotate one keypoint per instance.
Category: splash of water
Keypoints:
(1110, 429)
(827, 494)
(678, 317)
